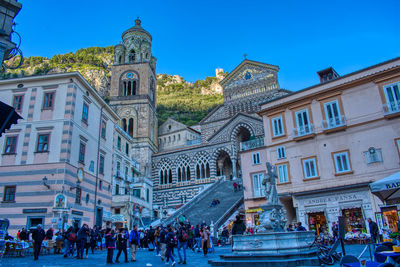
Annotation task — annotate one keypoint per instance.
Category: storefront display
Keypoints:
(354, 221)
(317, 222)
(390, 218)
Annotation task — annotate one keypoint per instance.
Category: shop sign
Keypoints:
(254, 210)
(338, 198)
(34, 210)
(75, 212)
(118, 218)
(392, 185)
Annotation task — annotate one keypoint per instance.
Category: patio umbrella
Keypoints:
(8, 117)
(387, 188)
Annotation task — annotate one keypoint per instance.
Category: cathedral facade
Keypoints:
(181, 161)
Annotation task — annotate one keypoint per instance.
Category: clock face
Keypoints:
(80, 174)
(129, 75)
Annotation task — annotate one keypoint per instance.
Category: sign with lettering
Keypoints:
(80, 213)
(334, 198)
(34, 210)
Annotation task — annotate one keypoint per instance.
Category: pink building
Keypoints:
(328, 142)
(56, 163)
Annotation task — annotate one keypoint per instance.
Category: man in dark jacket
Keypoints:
(49, 234)
(300, 227)
(122, 240)
(134, 240)
(163, 242)
(38, 236)
(81, 238)
(182, 242)
(238, 226)
(373, 230)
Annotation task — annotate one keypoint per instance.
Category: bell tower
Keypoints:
(133, 92)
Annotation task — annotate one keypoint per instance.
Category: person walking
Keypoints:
(122, 240)
(205, 240)
(335, 232)
(157, 240)
(94, 236)
(182, 242)
(163, 243)
(170, 242)
(38, 236)
(110, 245)
(82, 237)
(197, 237)
(49, 234)
(134, 241)
(373, 230)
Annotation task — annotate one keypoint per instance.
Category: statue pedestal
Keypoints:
(271, 249)
(272, 219)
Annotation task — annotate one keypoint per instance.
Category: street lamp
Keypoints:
(78, 185)
(44, 180)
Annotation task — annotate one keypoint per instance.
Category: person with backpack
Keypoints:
(122, 239)
(170, 240)
(182, 242)
(151, 238)
(110, 245)
(134, 240)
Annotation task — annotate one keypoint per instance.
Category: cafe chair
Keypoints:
(388, 244)
(386, 264)
(378, 257)
(349, 259)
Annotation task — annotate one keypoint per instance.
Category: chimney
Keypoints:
(327, 75)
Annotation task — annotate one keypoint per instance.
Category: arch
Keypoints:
(236, 129)
(129, 84)
(202, 165)
(217, 151)
(132, 56)
(130, 127)
(124, 125)
(165, 171)
(183, 168)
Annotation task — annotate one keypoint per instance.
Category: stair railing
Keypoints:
(227, 214)
(196, 199)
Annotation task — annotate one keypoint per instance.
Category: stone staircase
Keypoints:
(198, 209)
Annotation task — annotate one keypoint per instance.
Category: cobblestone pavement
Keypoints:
(144, 258)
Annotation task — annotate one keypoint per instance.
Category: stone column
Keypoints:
(220, 167)
(234, 171)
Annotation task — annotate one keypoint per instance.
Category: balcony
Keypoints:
(391, 109)
(123, 199)
(141, 180)
(193, 142)
(334, 124)
(303, 132)
(252, 144)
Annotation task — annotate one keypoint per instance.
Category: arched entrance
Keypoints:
(224, 164)
(241, 133)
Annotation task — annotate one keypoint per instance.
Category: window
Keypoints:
(183, 170)
(257, 185)
(103, 129)
(85, 112)
(202, 166)
(256, 158)
(82, 148)
(373, 155)
(392, 95)
(147, 195)
(17, 102)
(11, 142)
(118, 168)
(119, 143)
(43, 143)
(277, 127)
(332, 115)
(397, 140)
(126, 191)
(283, 174)
(280, 152)
(136, 192)
(342, 162)
(127, 149)
(9, 193)
(303, 124)
(78, 195)
(48, 100)
(126, 172)
(117, 211)
(117, 189)
(310, 168)
(101, 164)
(100, 185)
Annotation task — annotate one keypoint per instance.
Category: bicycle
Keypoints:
(324, 254)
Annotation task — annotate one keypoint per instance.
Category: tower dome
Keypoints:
(136, 29)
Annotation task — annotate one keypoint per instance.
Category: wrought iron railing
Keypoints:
(334, 122)
(391, 107)
(252, 144)
(303, 130)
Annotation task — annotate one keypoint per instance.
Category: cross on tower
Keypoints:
(245, 56)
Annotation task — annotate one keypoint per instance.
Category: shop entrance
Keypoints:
(354, 220)
(390, 218)
(317, 222)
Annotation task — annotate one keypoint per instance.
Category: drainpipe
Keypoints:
(97, 168)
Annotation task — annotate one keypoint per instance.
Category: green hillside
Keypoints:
(186, 102)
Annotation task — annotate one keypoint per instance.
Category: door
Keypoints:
(302, 121)
(332, 114)
(34, 222)
(99, 216)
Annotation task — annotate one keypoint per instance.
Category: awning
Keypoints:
(8, 117)
(254, 210)
(387, 188)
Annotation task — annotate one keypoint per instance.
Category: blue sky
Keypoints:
(192, 38)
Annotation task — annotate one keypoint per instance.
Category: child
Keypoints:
(110, 244)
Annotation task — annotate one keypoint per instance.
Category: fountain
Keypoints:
(271, 245)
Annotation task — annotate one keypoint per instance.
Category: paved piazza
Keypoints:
(144, 258)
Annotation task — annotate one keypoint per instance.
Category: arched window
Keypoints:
(132, 56)
(130, 127)
(120, 59)
(165, 172)
(183, 169)
(124, 126)
(202, 166)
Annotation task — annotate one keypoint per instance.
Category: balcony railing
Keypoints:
(252, 144)
(303, 130)
(334, 123)
(193, 142)
(391, 107)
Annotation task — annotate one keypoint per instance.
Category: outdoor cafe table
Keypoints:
(390, 255)
(357, 264)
